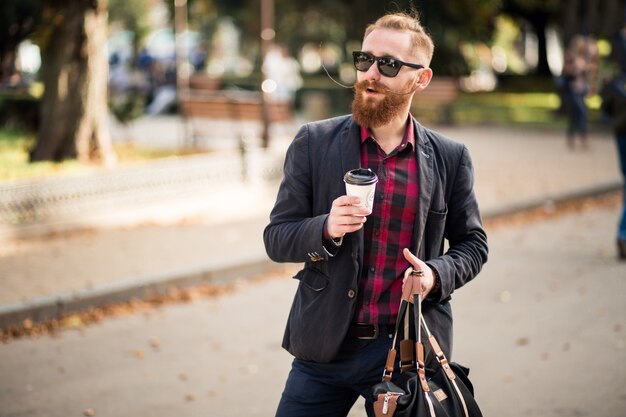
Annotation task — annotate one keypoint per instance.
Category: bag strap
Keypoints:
(413, 277)
(407, 353)
(441, 357)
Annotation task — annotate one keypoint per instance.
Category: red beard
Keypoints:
(371, 112)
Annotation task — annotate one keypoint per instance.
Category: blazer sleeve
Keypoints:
(294, 233)
(464, 231)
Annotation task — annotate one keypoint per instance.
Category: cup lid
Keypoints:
(360, 176)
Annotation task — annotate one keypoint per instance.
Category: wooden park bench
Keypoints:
(234, 106)
(435, 102)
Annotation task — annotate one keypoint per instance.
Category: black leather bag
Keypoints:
(420, 392)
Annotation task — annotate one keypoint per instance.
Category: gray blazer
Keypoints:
(324, 304)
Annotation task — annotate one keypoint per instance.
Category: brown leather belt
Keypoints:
(368, 331)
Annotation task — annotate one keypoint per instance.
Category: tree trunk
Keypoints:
(540, 23)
(74, 72)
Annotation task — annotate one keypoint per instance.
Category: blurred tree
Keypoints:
(74, 116)
(453, 23)
(598, 18)
(203, 13)
(18, 19)
(129, 104)
(345, 21)
(538, 14)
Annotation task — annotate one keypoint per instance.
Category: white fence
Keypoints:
(71, 198)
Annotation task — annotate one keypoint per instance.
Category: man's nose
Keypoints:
(372, 72)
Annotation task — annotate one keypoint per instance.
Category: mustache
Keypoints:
(370, 85)
(377, 87)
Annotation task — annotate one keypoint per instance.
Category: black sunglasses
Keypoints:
(389, 67)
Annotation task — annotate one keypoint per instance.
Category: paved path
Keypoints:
(543, 328)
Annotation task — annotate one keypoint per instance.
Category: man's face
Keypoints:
(379, 99)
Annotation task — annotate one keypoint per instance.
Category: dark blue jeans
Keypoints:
(331, 389)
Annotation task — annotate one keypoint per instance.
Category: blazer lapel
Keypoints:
(350, 151)
(425, 175)
(350, 147)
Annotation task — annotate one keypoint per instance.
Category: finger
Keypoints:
(412, 259)
(346, 226)
(349, 210)
(349, 220)
(346, 200)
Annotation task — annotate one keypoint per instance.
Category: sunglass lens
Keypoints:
(362, 61)
(388, 67)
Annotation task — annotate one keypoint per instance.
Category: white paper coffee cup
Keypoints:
(361, 183)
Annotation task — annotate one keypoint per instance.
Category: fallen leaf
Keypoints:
(505, 297)
(522, 341)
(154, 342)
(72, 321)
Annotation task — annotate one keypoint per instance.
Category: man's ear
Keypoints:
(423, 79)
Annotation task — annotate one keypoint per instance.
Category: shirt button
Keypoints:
(373, 269)
(351, 293)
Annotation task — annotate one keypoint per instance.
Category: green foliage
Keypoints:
(14, 163)
(127, 106)
(342, 22)
(527, 109)
(19, 111)
(132, 15)
(452, 23)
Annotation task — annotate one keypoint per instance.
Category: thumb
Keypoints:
(412, 259)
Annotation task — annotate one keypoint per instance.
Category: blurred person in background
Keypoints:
(345, 308)
(613, 95)
(280, 67)
(580, 68)
(574, 92)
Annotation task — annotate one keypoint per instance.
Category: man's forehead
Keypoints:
(388, 42)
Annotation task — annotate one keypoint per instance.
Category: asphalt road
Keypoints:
(543, 329)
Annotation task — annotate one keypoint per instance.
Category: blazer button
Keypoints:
(351, 294)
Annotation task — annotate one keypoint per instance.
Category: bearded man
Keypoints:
(344, 311)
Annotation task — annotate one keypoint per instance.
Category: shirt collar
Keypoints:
(409, 134)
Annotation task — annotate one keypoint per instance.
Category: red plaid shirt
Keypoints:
(389, 228)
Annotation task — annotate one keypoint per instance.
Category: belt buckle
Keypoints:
(374, 336)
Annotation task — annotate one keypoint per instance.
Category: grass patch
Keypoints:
(14, 148)
(536, 109)
(14, 163)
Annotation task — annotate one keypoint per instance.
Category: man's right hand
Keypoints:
(345, 216)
